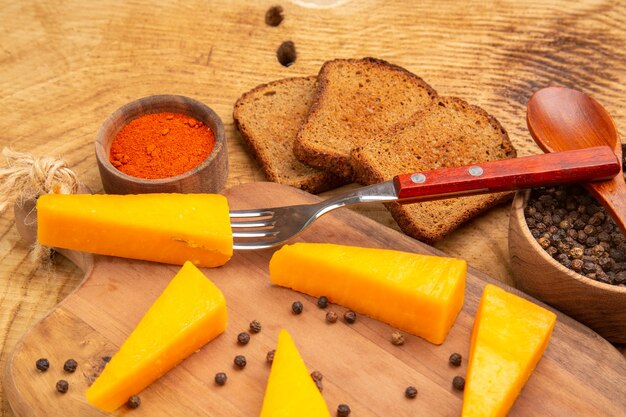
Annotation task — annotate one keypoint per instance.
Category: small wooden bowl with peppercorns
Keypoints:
(162, 144)
(566, 251)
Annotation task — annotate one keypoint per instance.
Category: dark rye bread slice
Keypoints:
(268, 119)
(449, 133)
(356, 99)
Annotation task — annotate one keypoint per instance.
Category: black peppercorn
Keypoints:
(458, 382)
(70, 365)
(319, 385)
(455, 359)
(240, 361)
(133, 402)
(297, 307)
(42, 364)
(576, 252)
(62, 386)
(317, 378)
(410, 392)
(243, 338)
(220, 378)
(270, 356)
(331, 317)
(343, 410)
(543, 242)
(589, 267)
(322, 302)
(317, 375)
(349, 316)
(106, 359)
(577, 265)
(255, 326)
(565, 225)
(397, 338)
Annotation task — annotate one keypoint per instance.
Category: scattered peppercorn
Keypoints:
(317, 378)
(349, 316)
(410, 392)
(70, 365)
(455, 359)
(331, 317)
(133, 401)
(270, 356)
(458, 382)
(581, 236)
(255, 326)
(322, 302)
(318, 384)
(62, 386)
(243, 338)
(42, 364)
(220, 378)
(343, 410)
(397, 338)
(240, 361)
(274, 16)
(106, 359)
(286, 53)
(297, 307)
(317, 375)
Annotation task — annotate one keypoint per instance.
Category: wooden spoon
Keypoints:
(561, 119)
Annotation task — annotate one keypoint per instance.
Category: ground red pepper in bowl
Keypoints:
(161, 145)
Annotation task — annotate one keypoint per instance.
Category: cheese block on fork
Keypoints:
(168, 228)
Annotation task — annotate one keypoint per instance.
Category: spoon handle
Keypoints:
(612, 195)
(589, 164)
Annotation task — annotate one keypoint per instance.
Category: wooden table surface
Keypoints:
(66, 65)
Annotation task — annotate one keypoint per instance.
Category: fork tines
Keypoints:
(249, 224)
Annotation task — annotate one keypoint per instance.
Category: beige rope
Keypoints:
(26, 177)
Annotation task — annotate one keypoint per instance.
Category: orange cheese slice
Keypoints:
(509, 337)
(290, 389)
(190, 312)
(168, 228)
(417, 293)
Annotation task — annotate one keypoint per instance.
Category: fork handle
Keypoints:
(580, 165)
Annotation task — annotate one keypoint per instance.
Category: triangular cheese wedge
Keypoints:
(190, 312)
(290, 389)
(417, 293)
(509, 337)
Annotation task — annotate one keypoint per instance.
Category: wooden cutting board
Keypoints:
(578, 375)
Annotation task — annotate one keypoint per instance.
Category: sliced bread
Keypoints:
(450, 132)
(356, 99)
(268, 119)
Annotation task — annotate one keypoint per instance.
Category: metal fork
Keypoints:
(268, 227)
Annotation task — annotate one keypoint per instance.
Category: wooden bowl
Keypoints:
(208, 177)
(600, 306)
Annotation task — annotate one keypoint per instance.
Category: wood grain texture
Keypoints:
(65, 66)
(360, 365)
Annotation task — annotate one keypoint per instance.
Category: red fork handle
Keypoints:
(580, 165)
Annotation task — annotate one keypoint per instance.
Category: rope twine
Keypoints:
(26, 177)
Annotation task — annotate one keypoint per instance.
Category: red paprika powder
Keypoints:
(161, 145)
